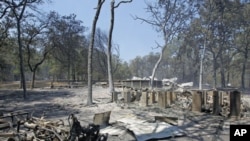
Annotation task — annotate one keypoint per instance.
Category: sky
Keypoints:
(133, 37)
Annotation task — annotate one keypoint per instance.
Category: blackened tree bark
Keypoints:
(33, 33)
(90, 51)
(109, 51)
(244, 41)
(18, 17)
(17, 8)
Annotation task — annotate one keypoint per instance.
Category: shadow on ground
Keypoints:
(196, 126)
(37, 103)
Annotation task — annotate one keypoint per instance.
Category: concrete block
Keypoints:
(216, 103)
(137, 95)
(144, 99)
(235, 103)
(197, 101)
(127, 96)
(162, 99)
(115, 96)
(152, 97)
(204, 98)
(174, 96)
(168, 98)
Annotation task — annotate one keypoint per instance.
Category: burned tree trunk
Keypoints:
(20, 53)
(244, 70)
(90, 51)
(214, 72)
(109, 53)
(156, 66)
(33, 79)
(169, 17)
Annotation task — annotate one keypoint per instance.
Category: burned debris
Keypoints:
(16, 127)
(225, 102)
(161, 113)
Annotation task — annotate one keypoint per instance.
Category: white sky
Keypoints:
(133, 37)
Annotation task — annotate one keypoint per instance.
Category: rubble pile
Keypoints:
(40, 129)
(184, 100)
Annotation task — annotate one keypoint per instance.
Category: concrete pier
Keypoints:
(137, 95)
(162, 99)
(152, 97)
(127, 96)
(168, 98)
(197, 101)
(235, 103)
(173, 97)
(204, 98)
(115, 96)
(144, 99)
(216, 103)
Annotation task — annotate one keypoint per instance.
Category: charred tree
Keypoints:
(90, 51)
(109, 51)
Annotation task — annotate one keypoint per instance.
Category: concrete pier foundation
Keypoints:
(168, 98)
(235, 103)
(127, 96)
(162, 99)
(137, 95)
(173, 97)
(197, 101)
(115, 96)
(144, 99)
(152, 97)
(216, 103)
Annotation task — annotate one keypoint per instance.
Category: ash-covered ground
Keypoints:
(57, 104)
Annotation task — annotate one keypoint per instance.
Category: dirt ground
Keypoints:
(60, 103)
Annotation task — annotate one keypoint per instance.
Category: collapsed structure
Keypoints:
(158, 113)
(24, 127)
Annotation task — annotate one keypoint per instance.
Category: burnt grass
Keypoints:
(37, 103)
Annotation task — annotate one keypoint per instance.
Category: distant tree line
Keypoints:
(55, 47)
(218, 28)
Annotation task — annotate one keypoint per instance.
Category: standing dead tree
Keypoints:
(90, 51)
(109, 51)
(169, 18)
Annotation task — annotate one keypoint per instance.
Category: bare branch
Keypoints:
(129, 1)
(158, 45)
(99, 3)
(151, 22)
(4, 12)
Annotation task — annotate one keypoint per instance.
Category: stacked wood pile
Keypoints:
(40, 129)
